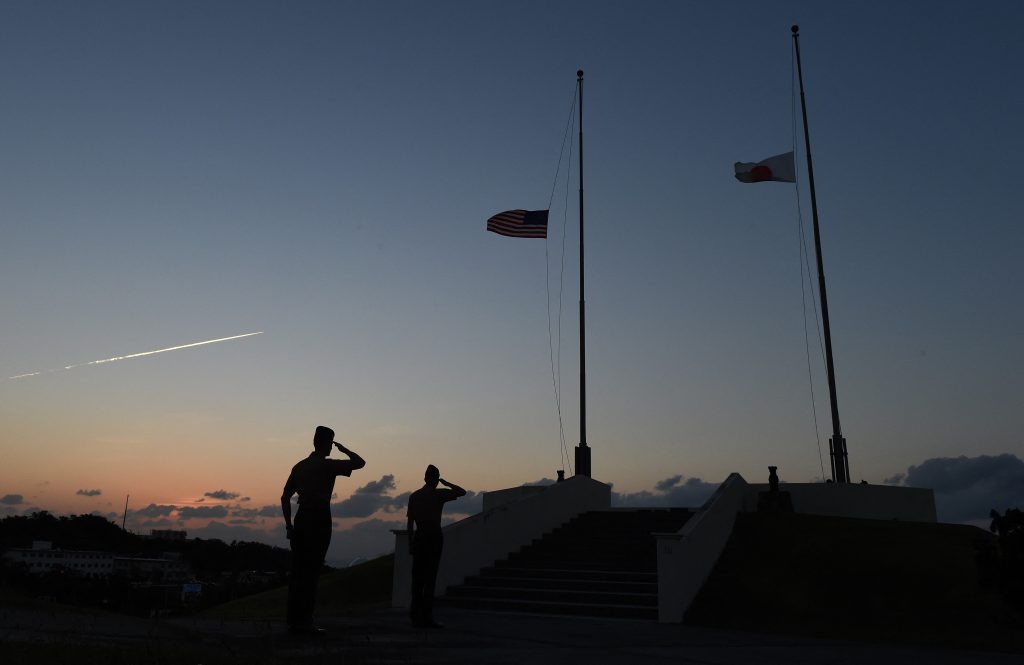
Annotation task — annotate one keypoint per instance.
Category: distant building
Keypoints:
(41, 558)
(140, 569)
(167, 534)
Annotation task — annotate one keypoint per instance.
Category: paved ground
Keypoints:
(469, 637)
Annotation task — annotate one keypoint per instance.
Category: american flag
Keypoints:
(520, 223)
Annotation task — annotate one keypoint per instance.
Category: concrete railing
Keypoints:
(866, 502)
(482, 539)
(499, 497)
(686, 557)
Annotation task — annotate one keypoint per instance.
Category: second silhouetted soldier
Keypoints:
(426, 542)
(313, 480)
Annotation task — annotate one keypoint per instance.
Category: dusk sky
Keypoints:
(321, 173)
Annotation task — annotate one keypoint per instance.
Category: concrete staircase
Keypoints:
(601, 563)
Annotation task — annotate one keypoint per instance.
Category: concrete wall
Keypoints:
(686, 557)
(498, 497)
(870, 502)
(479, 540)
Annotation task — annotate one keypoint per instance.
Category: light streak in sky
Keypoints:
(135, 355)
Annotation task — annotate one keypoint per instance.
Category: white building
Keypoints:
(42, 558)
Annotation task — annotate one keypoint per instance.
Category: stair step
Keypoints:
(612, 565)
(596, 596)
(540, 607)
(583, 554)
(570, 574)
(601, 563)
(561, 584)
(574, 542)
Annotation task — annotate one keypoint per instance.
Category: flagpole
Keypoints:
(837, 444)
(582, 450)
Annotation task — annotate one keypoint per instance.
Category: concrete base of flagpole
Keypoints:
(583, 460)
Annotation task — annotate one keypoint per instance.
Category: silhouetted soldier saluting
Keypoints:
(426, 541)
(313, 479)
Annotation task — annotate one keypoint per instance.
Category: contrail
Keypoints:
(136, 355)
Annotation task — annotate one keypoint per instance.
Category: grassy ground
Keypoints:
(867, 581)
(166, 652)
(858, 579)
(52, 633)
(12, 598)
(343, 592)
(106, 654)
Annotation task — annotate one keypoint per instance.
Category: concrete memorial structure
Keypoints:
(479, 540)
(514, 517)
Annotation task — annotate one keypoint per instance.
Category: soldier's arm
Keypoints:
(286, 505)
(356, 461)
(452, 486)
(409, 527)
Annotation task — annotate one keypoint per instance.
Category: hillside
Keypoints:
(859, 579)
(344, 591)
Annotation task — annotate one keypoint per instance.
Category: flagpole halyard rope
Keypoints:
(561, 289)
(561, 151)
(555, 357)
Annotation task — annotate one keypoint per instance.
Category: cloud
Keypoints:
(12, 500)
(895, 479)
(222, 495)
(246, 498)
(668, 483)
(245, 513)
(363, 540)
(382, 486)
(153, 510)
(375, 496)
(230, 532)
(270, 511)
(88, 492)
(672, 491)
(967, 488)
(191, 512)
(370, 498)
(162, 523)
(470, 504)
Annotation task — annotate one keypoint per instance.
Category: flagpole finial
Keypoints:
(795, 29)
(579, 73)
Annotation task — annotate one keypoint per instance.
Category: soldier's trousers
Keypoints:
(426, 555)
(311, 536)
